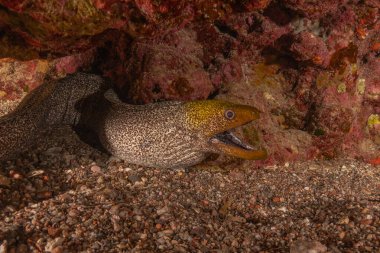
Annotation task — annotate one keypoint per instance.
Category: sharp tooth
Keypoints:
(230, 139)
(238, 141)
(234, 138)
(214, 140)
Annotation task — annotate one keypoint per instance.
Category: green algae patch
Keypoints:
(319, 132)
(251, 134)
(360, 86)
(42, 23)
(373, 120)
(341, 88)
(267, 75)
(336, 79)
(80, 18)
(340, 58)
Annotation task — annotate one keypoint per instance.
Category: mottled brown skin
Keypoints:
(53, 103)
(165, 134)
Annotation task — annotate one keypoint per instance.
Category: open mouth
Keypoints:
(230, 139)
(228, 143)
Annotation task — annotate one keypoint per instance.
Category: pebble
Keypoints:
(304, 246)
(96, 169)
(58, 249)
(5, 181)
(35, 173)
(100, 180)
(16, 175)
(165, 232)
(53, 151)
(22, 248)
(370, 236)
(238, 219)
(278, 199)
(163, 210)
(366, 221)
(73, 213)
(114, 209)
(116, 223)
(344, 220)
(235, 243)
(4, 246)
(52, 231)
(53, 243)
(44, 195)
(134, 178)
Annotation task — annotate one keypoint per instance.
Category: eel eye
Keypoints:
(229, 114)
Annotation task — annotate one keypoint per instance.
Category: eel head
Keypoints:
(216, 119)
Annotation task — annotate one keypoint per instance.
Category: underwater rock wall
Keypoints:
(311, 67)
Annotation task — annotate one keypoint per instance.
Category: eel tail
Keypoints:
(59, 102)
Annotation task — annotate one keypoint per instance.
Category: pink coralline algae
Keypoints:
(19, 77)
(308, 47)
(171, 71)
(311, 67)
(314, 9)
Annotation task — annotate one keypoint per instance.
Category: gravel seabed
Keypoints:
(65, 196)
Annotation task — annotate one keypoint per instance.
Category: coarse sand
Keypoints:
(65, 196)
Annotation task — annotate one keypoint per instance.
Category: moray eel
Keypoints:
(164, 134)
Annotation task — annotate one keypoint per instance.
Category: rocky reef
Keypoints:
(311, 67)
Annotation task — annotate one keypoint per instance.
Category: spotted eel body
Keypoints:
(166, 134)
(153, 135)
(53, 103)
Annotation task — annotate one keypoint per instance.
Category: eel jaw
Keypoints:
(228, 143)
